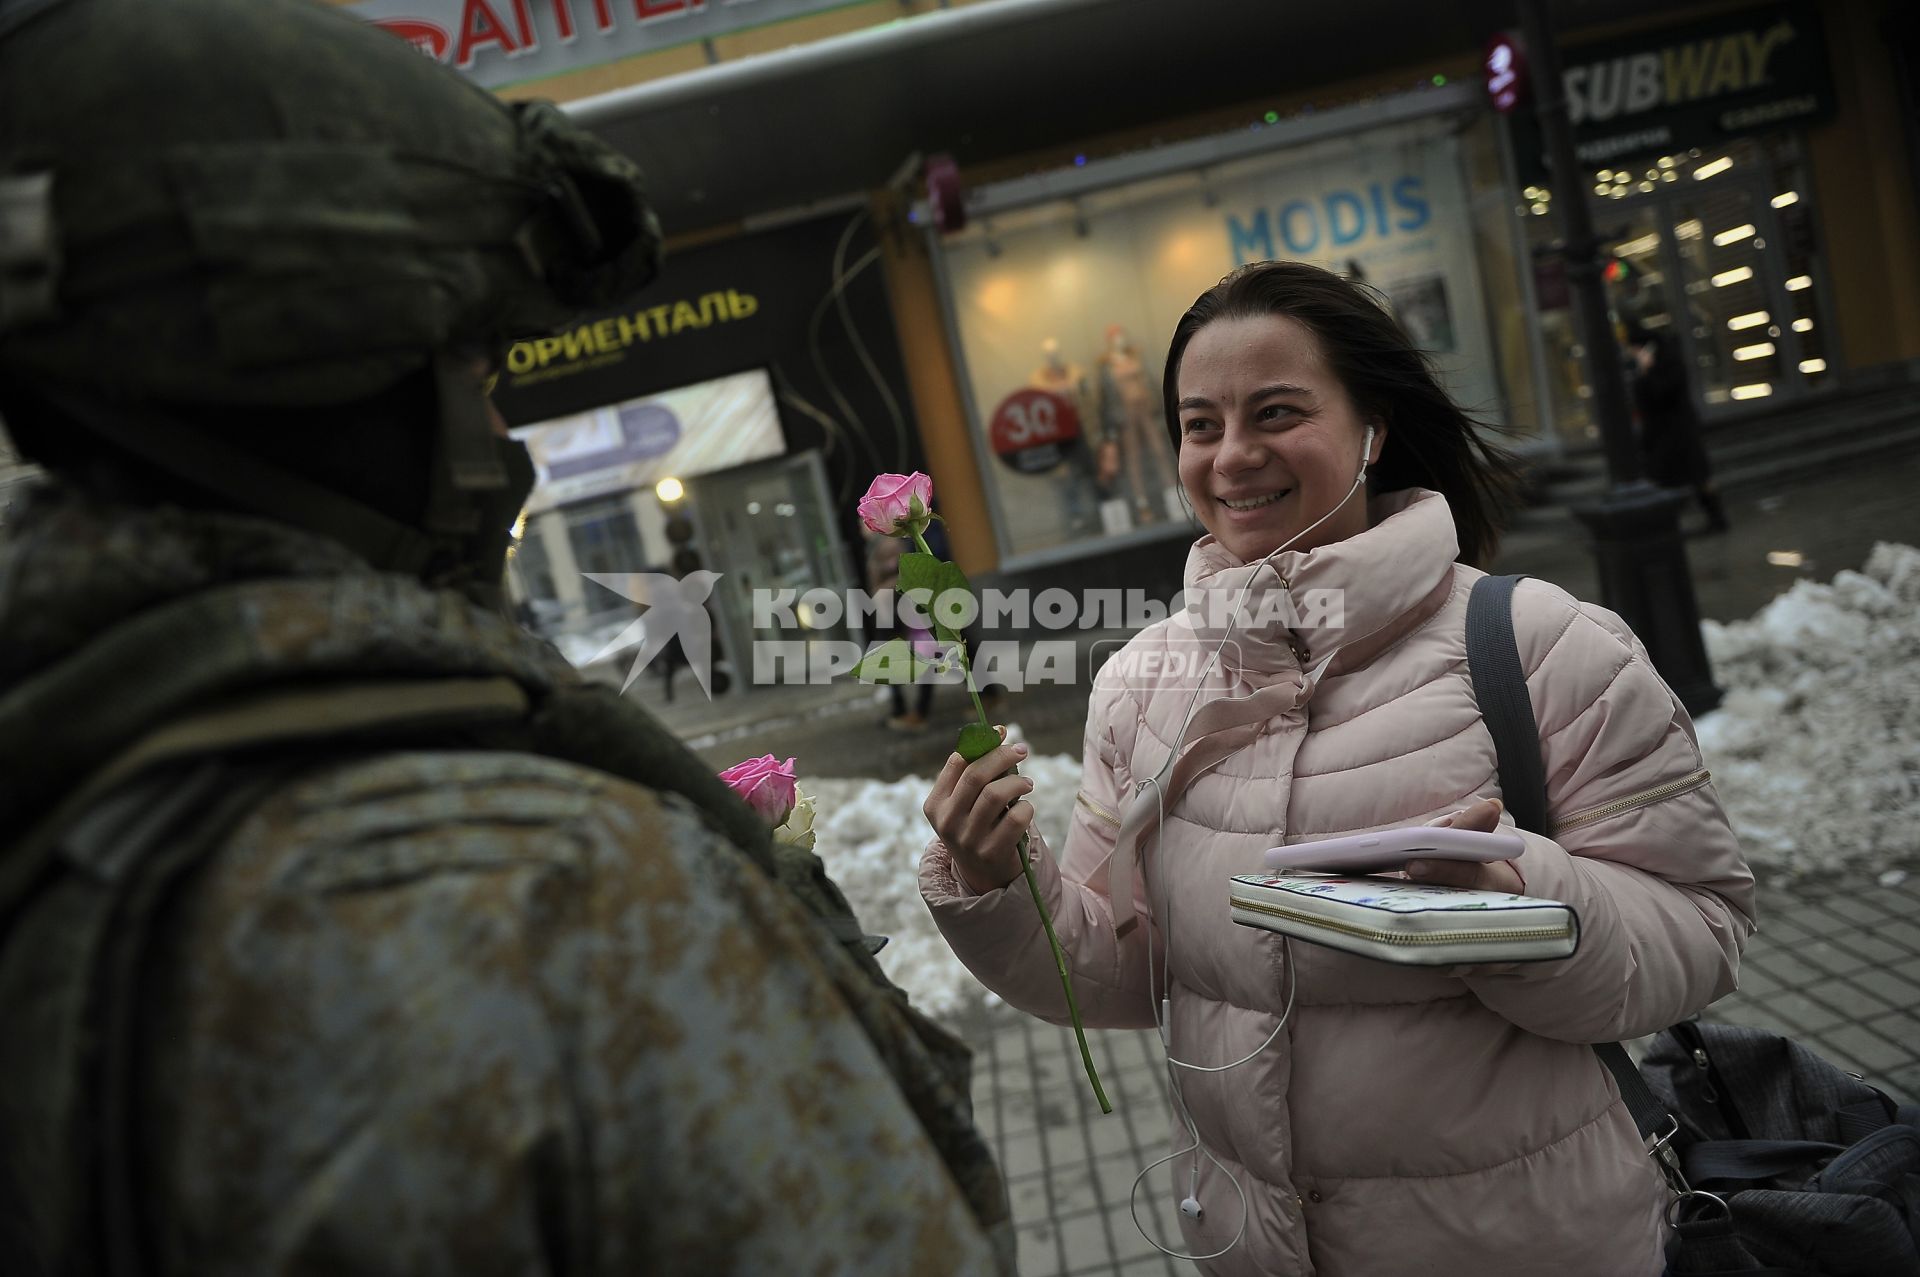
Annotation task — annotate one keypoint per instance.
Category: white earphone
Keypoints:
(1190, 1205)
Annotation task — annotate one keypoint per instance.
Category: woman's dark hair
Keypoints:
(1432, 442)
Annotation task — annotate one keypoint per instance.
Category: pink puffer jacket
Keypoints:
(1438, 1121)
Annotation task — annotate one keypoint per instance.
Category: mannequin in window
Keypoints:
(1076, 478)
(1130, 426)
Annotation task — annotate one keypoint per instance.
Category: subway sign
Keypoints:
(1749, 71)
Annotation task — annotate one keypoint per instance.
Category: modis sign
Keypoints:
(499, 42)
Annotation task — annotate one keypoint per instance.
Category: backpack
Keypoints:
(1781, 1164)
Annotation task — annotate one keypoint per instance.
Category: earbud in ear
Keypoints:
(1191, 1208)
(1366, 452)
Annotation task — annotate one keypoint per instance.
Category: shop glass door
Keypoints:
(1716, 248)
(770, 527)
(1638, 274)
(1740, 348)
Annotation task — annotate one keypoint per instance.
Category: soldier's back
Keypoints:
(441, 1012)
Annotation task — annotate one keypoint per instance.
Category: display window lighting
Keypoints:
(1601, 188)
(1689, 229)
(1785, 558)
(1539, 210)
(1752, 319)
(1734, 234)
(1636, 247)
(1813, 365)
(1644, 187)
(1738, 275)
(1803, 325)
(1758, 390)
(1669, 176)
(1667, 161)
(1785, 198)
(1713, 168)
(1760, 351)
(1799, 282)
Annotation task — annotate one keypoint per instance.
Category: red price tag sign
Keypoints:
(1031, 430)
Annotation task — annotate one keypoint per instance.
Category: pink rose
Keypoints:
(897, 504)
(767, 785)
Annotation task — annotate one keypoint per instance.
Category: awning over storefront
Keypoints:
(819, 122)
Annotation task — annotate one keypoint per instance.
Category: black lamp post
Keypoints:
(1635, 526)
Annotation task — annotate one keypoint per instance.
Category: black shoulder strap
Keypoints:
(1500, 687)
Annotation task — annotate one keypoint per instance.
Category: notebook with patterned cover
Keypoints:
(1410, 923)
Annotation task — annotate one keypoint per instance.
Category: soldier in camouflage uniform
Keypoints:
(343, 928)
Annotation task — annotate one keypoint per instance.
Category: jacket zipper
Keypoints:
(1097, 809)
(1620, 806)
(1560, 932)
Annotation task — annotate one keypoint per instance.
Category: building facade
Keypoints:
(1751, 168)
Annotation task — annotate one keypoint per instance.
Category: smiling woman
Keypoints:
(1276, 346)
(1263, 460)
(1340, 1115)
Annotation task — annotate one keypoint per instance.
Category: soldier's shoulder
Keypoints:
(400, 818)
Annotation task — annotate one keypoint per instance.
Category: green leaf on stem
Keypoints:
(931, 582)
(976, 741)
(893, 662)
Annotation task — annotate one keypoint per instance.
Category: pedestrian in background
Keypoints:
(1671, 441)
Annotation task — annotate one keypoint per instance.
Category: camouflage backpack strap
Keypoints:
(79, 895)
(74, 946)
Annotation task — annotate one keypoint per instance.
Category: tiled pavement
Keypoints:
(1836, 966)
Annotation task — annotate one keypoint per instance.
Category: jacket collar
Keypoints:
(1331, 602)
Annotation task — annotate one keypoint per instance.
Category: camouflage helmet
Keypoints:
(267, 203)
(271, 202)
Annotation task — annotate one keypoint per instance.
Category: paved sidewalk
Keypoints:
(1837, 967)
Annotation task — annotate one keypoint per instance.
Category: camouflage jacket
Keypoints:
(520, 989)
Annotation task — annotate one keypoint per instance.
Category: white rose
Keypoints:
(797, 829)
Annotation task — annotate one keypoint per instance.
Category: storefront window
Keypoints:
(604, 536)
(1062, 311)
(1714, 246)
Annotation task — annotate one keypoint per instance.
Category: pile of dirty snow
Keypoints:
(871, 835)
(1816, 749)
